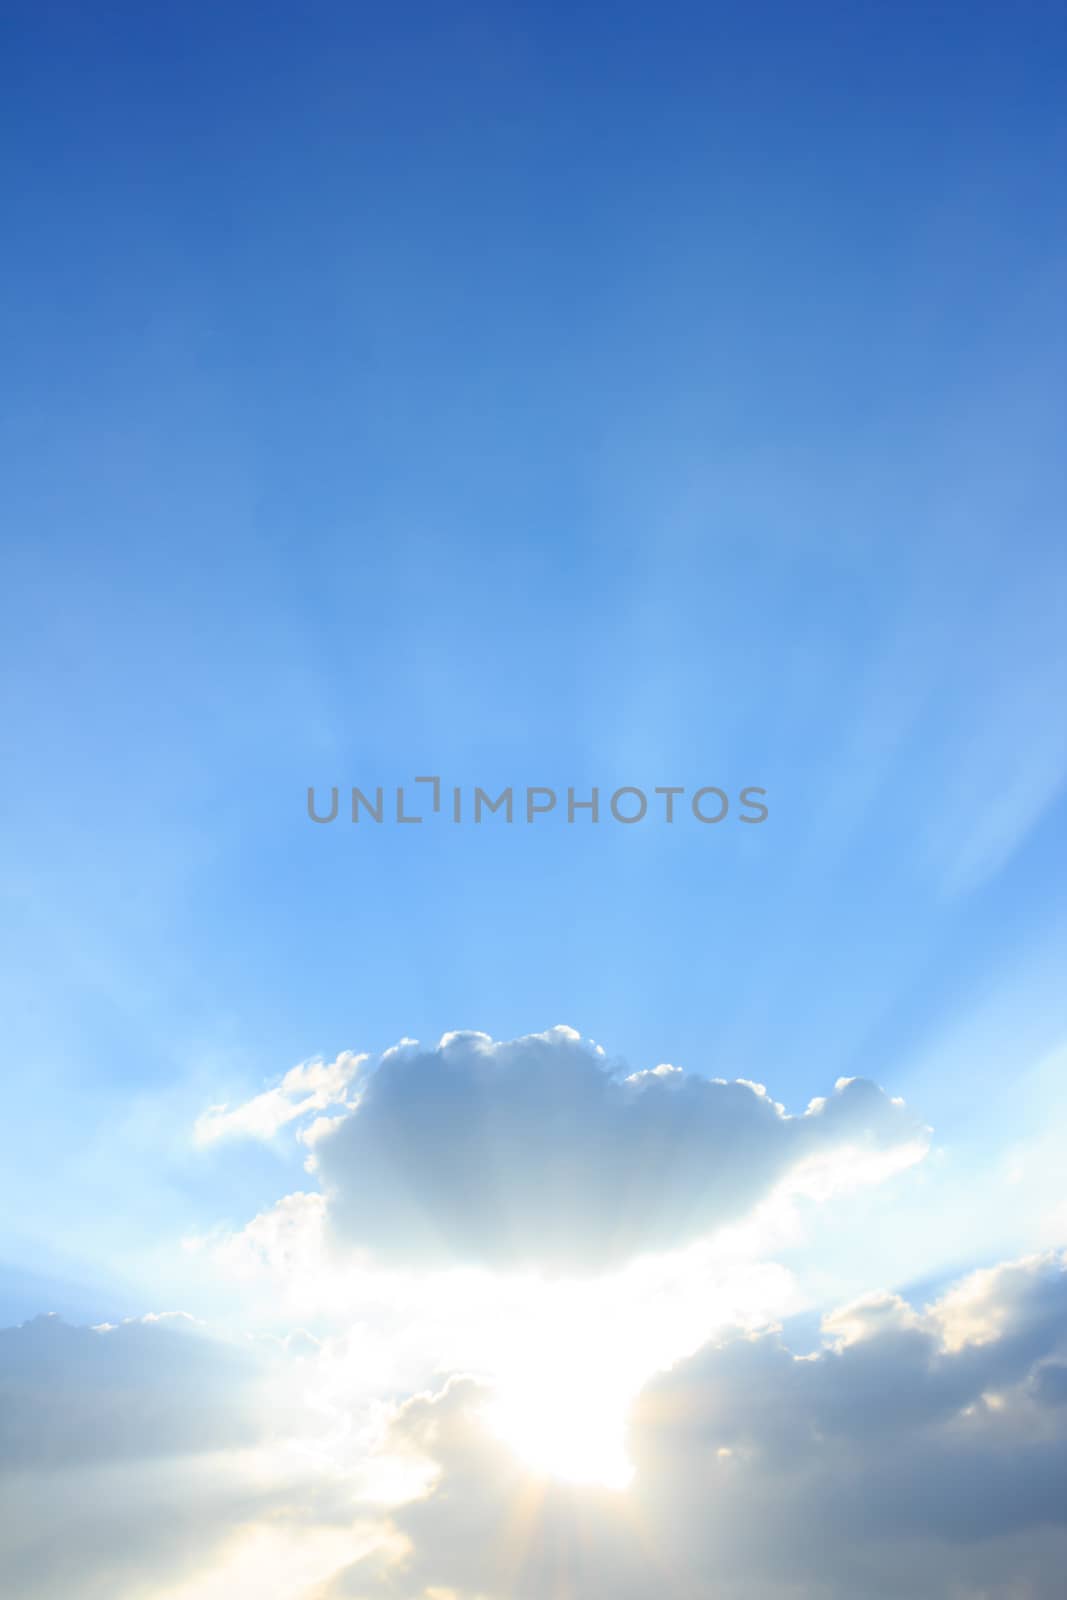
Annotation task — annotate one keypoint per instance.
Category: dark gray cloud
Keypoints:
(537, 1152)
(896, 1461)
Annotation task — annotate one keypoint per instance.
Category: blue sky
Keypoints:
(533, 400)
(526, 394)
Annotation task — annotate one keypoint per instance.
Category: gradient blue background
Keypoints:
(528, 394)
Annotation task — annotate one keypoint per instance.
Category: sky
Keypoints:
(534, 397)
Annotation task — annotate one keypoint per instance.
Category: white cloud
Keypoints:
(310, 1086)
(536, 1152)
(595, 1246)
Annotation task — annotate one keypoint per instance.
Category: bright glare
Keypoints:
(566, 1427)
(568, 1371)
(563, 1360)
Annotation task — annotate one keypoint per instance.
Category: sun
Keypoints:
(567, 1360)
(564, 1426)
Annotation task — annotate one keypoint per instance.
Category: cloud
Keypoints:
(311, 1086)
(537, 1153)
(917, 1450)
(150, 1455)
(155, 1386)
(892, 1460)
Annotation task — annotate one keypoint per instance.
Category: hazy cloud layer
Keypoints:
(917, 1451)
(132, 1457)
(144, 1388)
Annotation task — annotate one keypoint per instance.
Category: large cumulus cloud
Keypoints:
(917, 1453)
(538, 1152)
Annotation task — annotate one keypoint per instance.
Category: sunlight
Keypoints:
(569, 1366)
(566, 1425)
(273, 1563)
(581, 1444)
